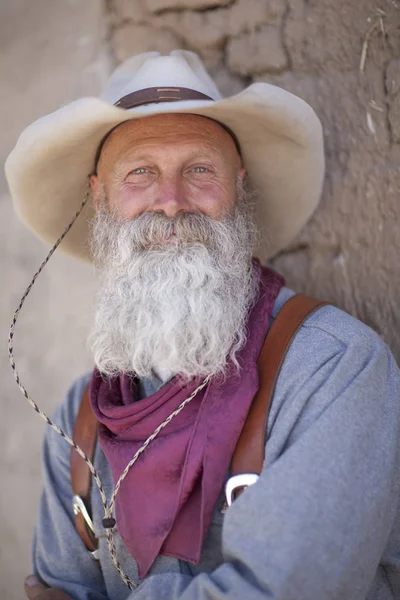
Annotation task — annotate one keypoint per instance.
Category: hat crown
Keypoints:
(181, 68)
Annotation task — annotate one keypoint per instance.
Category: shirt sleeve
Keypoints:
(317, 521)
(60, 558)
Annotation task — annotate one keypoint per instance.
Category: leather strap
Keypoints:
(249, 453)
(155, 95)
(85, 436)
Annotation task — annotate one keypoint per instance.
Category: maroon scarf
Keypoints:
(166, 502)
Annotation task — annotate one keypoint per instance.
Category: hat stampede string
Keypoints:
(108, 519)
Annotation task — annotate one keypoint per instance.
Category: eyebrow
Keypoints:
(201, 153)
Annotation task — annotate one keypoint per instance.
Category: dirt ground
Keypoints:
(342, 56)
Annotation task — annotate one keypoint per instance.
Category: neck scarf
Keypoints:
(166, 502)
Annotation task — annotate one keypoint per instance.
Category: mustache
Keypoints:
(155, 231)
(152, 230)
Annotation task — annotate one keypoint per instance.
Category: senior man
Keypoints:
(187, 188)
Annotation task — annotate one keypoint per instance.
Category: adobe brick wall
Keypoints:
(349, 252)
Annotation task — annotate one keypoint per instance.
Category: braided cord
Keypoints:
(12, 361)
(152, 436)
(108, 508)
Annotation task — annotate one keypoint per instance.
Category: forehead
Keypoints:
(159, 131)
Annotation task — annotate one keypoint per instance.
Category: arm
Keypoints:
(316, 523)
(59, 557)
(35, 590)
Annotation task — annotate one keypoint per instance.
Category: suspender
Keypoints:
(248, 457)
(85, 435)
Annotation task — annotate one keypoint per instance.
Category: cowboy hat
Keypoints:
(279, 134)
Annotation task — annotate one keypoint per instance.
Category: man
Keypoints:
(182, 313)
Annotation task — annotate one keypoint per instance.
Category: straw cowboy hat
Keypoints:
(279, 134)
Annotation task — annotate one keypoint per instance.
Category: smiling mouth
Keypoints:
(169, 239)
(175, 240)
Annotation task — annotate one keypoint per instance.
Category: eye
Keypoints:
(140, 175)
(200, 171)
(139, 171)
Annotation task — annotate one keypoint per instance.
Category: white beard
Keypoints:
(176, 305)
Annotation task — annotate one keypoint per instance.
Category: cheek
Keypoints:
(127, 202)
(212, 199)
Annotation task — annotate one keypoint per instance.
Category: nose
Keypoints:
(171, 197)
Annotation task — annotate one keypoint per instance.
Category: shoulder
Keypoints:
(65, 414)
(334, 358)
(334, 327)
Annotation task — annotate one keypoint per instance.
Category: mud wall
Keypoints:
(342, 57)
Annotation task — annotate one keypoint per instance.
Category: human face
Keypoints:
(169, 163)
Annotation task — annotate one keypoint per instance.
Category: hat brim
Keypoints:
(279, 134)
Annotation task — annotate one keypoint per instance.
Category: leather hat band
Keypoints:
(159, 94)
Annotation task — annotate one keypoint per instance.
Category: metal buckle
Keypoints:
(79, 507)
(238, 481)
(95, 554)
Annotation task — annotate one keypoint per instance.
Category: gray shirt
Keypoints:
(321, 523)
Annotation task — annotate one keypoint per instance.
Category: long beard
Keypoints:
(175, 292)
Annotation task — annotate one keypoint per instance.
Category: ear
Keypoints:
(241, 175)
(96, 191)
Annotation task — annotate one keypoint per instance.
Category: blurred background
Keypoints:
(342, 57)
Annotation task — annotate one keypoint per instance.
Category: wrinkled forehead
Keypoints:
(160, 128)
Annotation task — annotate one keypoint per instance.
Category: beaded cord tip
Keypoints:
(109, 523)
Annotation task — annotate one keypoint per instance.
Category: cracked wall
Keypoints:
(343, 58)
